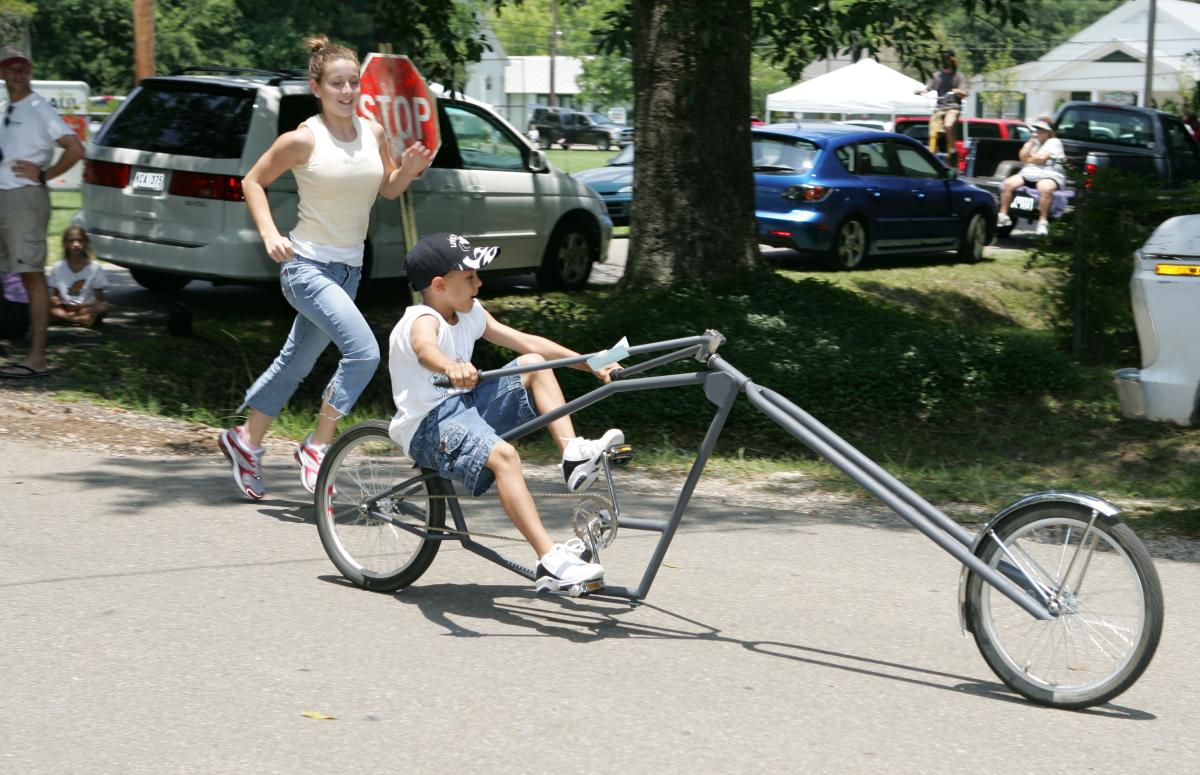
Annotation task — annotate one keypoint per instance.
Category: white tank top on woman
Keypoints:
(338, 185)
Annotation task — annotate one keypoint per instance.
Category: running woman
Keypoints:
(341, 163)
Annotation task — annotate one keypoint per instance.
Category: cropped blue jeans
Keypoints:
(323, 296)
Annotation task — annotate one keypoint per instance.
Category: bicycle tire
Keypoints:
(371, 552)
(1110, 619)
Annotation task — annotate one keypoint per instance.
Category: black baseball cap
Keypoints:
(436, 254)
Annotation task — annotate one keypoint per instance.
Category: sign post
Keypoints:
(395, 95)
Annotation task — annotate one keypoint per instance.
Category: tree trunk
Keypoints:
(694, 209)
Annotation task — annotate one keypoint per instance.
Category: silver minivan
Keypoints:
(1165, 292)
(162, 186)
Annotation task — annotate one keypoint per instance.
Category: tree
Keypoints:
(606, 82)
(977, 39)
(14, 22)
(694, 220)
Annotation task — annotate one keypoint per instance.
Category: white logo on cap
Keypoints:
(482, 257)
(459, 242)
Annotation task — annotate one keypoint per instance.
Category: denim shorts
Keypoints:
(457, 436)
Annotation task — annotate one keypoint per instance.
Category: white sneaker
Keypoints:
(581, 459)
(1003, 221)
(562, 567)
(1043, 228)
(309, 457)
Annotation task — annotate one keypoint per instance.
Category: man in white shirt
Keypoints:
(31, 132)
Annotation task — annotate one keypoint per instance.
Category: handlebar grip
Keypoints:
(441, 380)
(615, 374)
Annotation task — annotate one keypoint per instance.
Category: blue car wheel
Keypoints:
(849, 246)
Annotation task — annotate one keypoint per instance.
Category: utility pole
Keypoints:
(143, 39)
(553, 47)
(1148, 98)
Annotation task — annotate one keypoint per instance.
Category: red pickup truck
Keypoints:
(966, 131)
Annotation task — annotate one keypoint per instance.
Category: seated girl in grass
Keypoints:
(77, 283)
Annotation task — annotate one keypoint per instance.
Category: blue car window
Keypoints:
(773, 154)
(864, 158)
(914, 164)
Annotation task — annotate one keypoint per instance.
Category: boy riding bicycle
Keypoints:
(455, 430)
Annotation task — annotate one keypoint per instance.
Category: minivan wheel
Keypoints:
(163, 282)
(849, 246)
(568, 260)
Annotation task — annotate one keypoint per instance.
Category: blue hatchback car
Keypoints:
(843, 192)
(614, 183)
(848, 193)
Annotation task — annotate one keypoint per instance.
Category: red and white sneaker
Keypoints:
(308, 457)
(246, 462)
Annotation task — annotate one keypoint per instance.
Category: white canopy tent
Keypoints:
(863, 87)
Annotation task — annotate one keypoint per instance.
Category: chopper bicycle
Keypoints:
(1061, 597)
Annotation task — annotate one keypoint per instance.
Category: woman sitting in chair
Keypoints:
(1043, 156)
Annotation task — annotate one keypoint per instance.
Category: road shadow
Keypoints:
(586, 620)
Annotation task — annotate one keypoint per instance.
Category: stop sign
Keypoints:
(395, 95)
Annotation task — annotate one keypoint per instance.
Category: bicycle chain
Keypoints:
(496, 536)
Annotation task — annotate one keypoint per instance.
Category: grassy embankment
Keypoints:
(946, 373)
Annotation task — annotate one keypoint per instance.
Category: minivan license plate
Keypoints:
(1025, 204)
(149, 181)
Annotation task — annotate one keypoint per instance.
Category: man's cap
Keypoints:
(1042, 125)
(436, 254)
(10, 56)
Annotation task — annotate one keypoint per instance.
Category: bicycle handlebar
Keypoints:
(703, 346)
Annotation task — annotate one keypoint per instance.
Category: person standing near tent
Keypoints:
(951, 87)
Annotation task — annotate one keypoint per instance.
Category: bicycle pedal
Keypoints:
(553, 586)
(620, 454)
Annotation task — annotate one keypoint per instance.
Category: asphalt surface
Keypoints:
(154, 621)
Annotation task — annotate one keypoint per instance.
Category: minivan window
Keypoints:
(185, 119)
(483, 144)
(294, 109)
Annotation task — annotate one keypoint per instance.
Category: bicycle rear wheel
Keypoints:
(366, 485)
(1107, 594)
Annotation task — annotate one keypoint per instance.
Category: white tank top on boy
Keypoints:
(338, 185)
(412, 384)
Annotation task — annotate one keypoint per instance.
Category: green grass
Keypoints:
(578, 160)
(65, 204)
(948, 374)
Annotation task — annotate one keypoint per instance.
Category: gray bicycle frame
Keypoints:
(722, 384)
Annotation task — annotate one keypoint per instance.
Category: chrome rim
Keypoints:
(975, 236)
(852, 244)
(1102, 607)
(573, 257)
(364, 470)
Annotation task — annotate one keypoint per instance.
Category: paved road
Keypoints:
(153, 622)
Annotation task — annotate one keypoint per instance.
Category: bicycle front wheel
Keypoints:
(1099, 580)
(375, 509)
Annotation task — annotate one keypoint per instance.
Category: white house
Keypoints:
(528, 79)
(486, 78)
(1105, 61)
